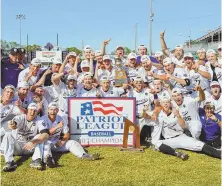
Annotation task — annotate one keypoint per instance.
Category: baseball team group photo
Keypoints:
(111, 93)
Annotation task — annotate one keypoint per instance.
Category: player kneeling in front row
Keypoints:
(59, 137)
(27, 137)
(172, 125)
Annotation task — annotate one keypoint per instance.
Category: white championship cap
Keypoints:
(119, 47)
(167, 61)
(141, 46)
(36, 62)
(132, 55)
(98, 53)
(179, 46)
(84, 63)
(33, 106)
(201, 50)
(219, 46)
(57, 61)
(106, 57)
(214, 83)
(53, 105)
(158, 53)
(71, 77)
(211, 51)
(145, 58)
(188, 54)
(176, 91)
(208, 102)
(87, 48)
(165, 98)
(138, 78)
(23, 84)
(104, 78)
(10, 86)
(72, 54)
(88, 74)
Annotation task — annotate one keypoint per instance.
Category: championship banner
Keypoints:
(100, 121)
(48, 56)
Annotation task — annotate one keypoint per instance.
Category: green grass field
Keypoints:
(120, 168)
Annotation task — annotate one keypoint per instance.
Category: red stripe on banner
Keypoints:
(105, 112)
(107, 105)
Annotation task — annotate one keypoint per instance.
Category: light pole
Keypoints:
(20, 17)
(151, 20)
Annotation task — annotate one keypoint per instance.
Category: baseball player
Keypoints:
(215, 96)
(59, 137)
(8, 109)
(27, 136)
(144, 101)
(87, 90)
(172, 125)
(109, 91)
(160, 90)
(188, 108)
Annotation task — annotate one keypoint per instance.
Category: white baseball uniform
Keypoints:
(112, 92)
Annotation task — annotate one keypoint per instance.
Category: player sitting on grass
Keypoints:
(59, 137)
(172, 125)
(27, 137)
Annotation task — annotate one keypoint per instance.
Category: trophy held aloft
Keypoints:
(120, 73)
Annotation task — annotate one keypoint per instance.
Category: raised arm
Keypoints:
(163, 44)
(63, 64)
(103, 49)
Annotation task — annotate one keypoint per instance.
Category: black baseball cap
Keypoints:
(14, 51)
(21, 50)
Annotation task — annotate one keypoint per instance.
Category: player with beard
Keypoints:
(197, 73)
(211, 125)
(188, 108)
(215, 96)
(172, 124)
(177, 56)
(27, 137)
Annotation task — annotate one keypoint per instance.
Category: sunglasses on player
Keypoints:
(209, 107)
(215, 86)
(188, 58)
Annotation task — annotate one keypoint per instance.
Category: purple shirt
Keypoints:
(9, 73)
(210, 127)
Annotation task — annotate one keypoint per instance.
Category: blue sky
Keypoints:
(96, 20)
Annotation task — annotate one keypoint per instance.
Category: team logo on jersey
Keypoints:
(43, 123)
(185, 75)
(146, 94)
(164, 94)
(184, 106)
(88, 108)
(111, 92)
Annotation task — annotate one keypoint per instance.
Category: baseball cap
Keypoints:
(10, 86)
(72, 54)
(88, 74)
(141, 46)
(53, 105)
(165, 98)
(214, 83)
(219, 46)
(33, 106)
(145, 58)
(138, 78)
(23, 84)
(208, 102)
(106, 57)
(158, 53)
(98, 53)
(211, 51)
(119, 47)
(188, 54)
(13, 51)
(84, 63)
(132, 55)
(176, 91)
(57, 61)
(179, 46)
(71, 77)
(201, 50)
(36, 62)
(21, 50)
(104, 78)
(87, 48)
(167, 61)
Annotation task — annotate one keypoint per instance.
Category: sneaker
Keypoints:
(91, 157)
(50, 162)
(182, 155)
(36, 164)
(9, 166)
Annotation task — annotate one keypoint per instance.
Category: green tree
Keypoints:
(34, 47)
(74, 49)
(126, 50)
